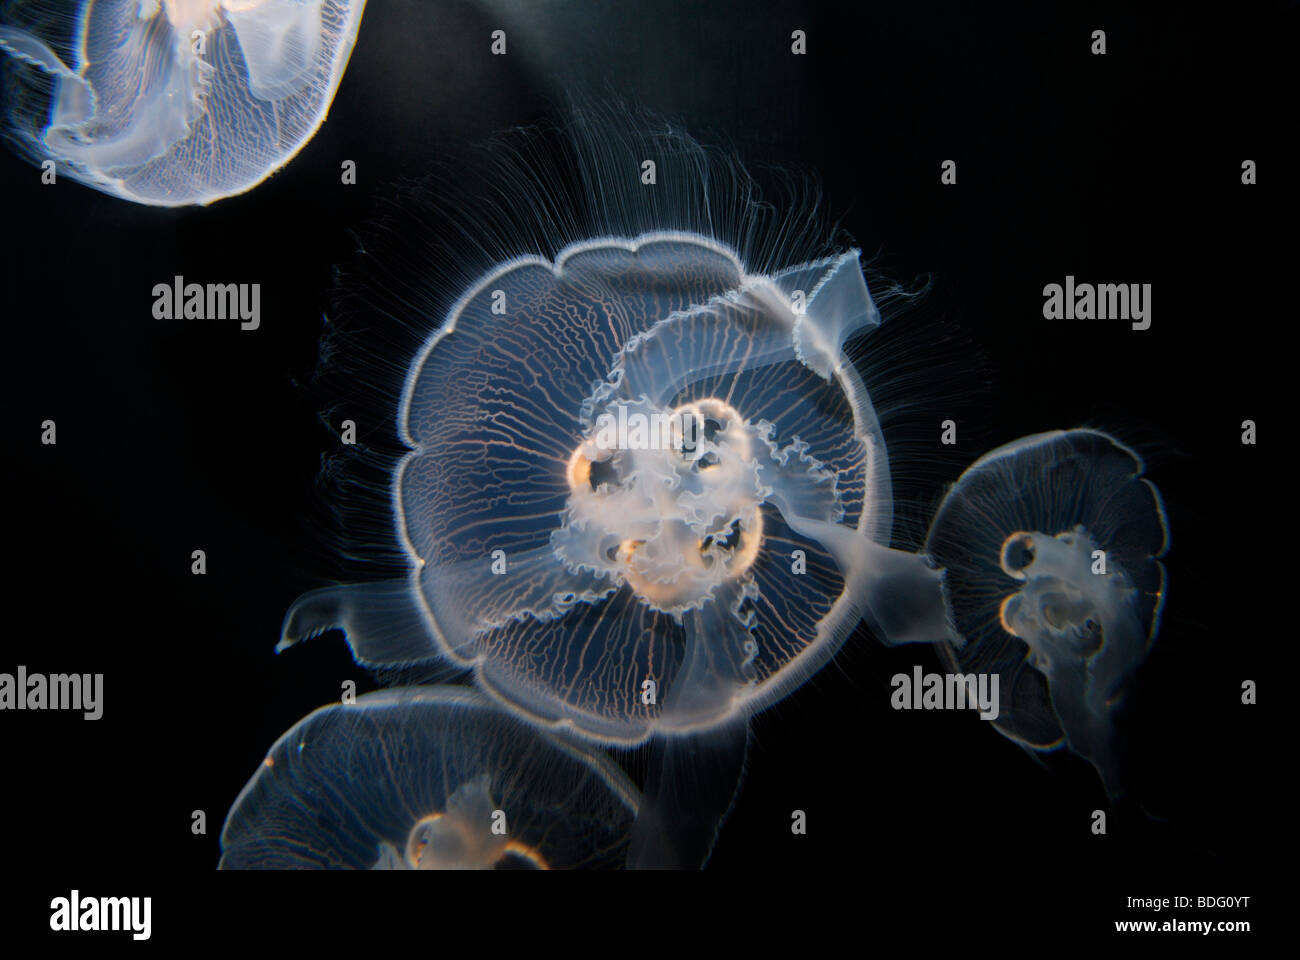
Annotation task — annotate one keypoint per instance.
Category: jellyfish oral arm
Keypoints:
(75, 102)
(383, 623)
(835, 307)
(28, 49)
(900, 593)
(690, 789)
(1083, 634)
(1069, 610)
(461, 838)
(280, 42)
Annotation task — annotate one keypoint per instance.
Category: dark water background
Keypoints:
(182, 434)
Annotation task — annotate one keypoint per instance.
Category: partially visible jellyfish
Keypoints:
(174, 102)
(428, 778)
(645, 492)
(1050, 547)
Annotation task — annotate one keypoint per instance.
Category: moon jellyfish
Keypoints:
(428, 778)
(1050, 547)
(173, 102)
(645, 492)
(652, 474)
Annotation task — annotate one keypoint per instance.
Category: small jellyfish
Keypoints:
(645, 492)
(428, 778)
(174, 102)
(1050, 550)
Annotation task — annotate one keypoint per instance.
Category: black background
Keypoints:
(176, 435)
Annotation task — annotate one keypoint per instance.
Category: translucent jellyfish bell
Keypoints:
(173, 102)
(428, 778)
(647, 498)
(644, 493)
(1050, 550)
